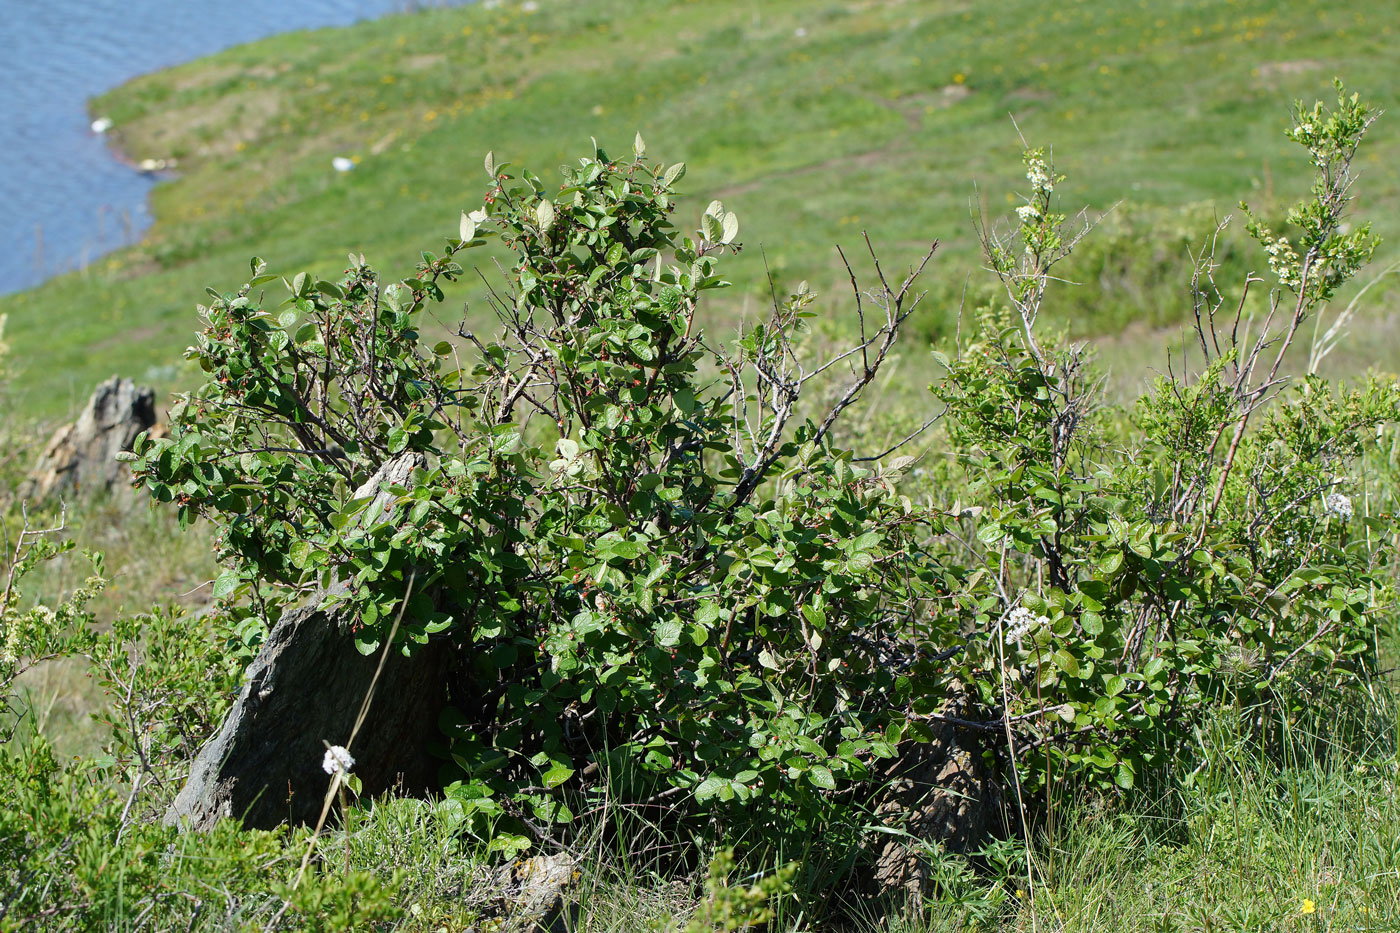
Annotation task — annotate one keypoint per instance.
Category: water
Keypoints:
(64, 199)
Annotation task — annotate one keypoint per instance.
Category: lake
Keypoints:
(64, 199)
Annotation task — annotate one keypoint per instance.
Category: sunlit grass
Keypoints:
(812, 121)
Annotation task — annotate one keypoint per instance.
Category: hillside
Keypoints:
(812, 121)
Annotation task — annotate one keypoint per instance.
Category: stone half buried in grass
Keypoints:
(305, 688)
(528, 895)
(304, 691)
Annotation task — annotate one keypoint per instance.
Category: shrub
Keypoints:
(1132, 568)
(656, 576)
(668, 581)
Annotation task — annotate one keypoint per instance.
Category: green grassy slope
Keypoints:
(812, 120)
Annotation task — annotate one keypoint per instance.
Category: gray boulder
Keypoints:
(82, 456)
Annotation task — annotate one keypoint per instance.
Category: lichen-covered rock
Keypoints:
(525, 896)
(82, 456)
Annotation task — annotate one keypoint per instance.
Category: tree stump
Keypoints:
(942, 793)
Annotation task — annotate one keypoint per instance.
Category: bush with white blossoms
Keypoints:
(673, 582)
(1178, 562)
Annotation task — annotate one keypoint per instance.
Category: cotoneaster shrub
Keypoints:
(674, 588)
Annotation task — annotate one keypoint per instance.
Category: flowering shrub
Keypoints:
(1134, 568)
(662, 573)
(668, 580)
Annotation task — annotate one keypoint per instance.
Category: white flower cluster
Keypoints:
(1021, 622)
(1337, 504)
(337, 760)
(23, 628)
(1028, 213)
(1038, 174)
(1283, 261)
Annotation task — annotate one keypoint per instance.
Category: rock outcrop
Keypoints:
(82, 456)
(305, 689)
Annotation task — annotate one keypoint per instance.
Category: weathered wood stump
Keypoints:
(942, 793)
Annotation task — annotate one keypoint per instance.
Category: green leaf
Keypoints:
(821, 776)
(709, 788)
(226, 583)
(491, 164)
(544, 214)
(990, 533)
(556, 775)
(673, 174)
(466, 228)
(730, 227)
(1066, 662)
(711, 228)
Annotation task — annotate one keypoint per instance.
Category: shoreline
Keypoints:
(62, 234)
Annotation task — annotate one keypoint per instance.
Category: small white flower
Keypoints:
(342, 164)
(1021, 622)
(1028, 213)
(529, 6)
(337, 760)
(1337, 504)
(800, 32)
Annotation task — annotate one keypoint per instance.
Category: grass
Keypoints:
(1292, 841)
(813, 121)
